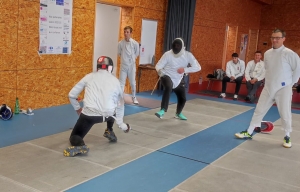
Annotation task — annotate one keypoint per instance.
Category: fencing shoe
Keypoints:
(247, 98)
(110, 135)
(235, 97)
(74, 150)
(135, 101)
(160, 113)
(180, 116)
(243, 135)
(287, 142)
(222, 95)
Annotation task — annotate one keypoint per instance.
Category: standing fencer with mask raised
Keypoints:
(171, 68)
(282, 72)
(128, 49)
(103, 102)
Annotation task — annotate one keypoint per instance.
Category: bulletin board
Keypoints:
(148, 41)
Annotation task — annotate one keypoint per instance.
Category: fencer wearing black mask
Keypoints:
(171, 68)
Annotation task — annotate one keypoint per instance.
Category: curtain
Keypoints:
(179, 22)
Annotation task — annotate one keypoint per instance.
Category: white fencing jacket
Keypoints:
(169, 64)
(128, 51)
(103, 95)
(282, 68)
(253, 70)
(235, 70)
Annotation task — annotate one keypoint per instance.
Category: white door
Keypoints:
(107, 27)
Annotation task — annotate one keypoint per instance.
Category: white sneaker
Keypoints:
(287, 142)
(135, 101)
(222, 95)
(235, 97)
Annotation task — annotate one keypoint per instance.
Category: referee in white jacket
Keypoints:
(282, 72)
(128, 50)
(103, 102)
(254, 74)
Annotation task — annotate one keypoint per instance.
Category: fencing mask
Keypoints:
(104, 62)
(178, 47)
(5, 112)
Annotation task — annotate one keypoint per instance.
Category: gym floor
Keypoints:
(200, 154)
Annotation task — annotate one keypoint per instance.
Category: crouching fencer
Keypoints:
(103, 102)
(282, 72)
(171, 68)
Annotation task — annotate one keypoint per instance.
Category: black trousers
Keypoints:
(252, 88)
(179, 91)
(83, 126)
(238, 82)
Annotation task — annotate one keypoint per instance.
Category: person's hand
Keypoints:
(252, 81)
(232, 78)
(180, 70)
(160, 73)
(125, 127)
(295, 85)
(79, 111)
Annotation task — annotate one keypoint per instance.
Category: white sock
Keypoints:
(250, 129)
(287, 134)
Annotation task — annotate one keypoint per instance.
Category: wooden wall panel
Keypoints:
(41, 80)
(252, 45)
(231, 43)
(282, 14)
(208, 38)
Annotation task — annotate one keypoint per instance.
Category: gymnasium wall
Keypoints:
(281, 14)
(45, 80)
(208, 38)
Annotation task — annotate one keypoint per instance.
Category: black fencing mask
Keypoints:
(177, 46)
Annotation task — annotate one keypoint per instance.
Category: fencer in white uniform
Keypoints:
(282, 72)
(128, 50)
(103, 102)
(171, 68)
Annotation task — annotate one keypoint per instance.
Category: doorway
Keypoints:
(107, 28)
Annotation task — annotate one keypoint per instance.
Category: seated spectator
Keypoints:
(234, 73)
(254, 74)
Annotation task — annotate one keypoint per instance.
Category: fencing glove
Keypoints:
(125, 127)
(160, 73)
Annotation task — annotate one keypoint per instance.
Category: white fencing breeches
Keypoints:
(283, 99)
(129, 71)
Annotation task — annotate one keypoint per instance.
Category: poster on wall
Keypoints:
(148, 41)
(243, 46)
(55, 26)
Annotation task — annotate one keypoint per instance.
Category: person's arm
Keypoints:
(263, 72)
(194, 64)
(228, 72)
(161, 63)
(242, 70)
(119, 48)
(136, 49)
(247, 71)
(75, 91)
(295, 65)
(120, 112)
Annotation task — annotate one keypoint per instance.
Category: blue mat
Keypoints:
(154, 172)
(44, 122)
(218, 138)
